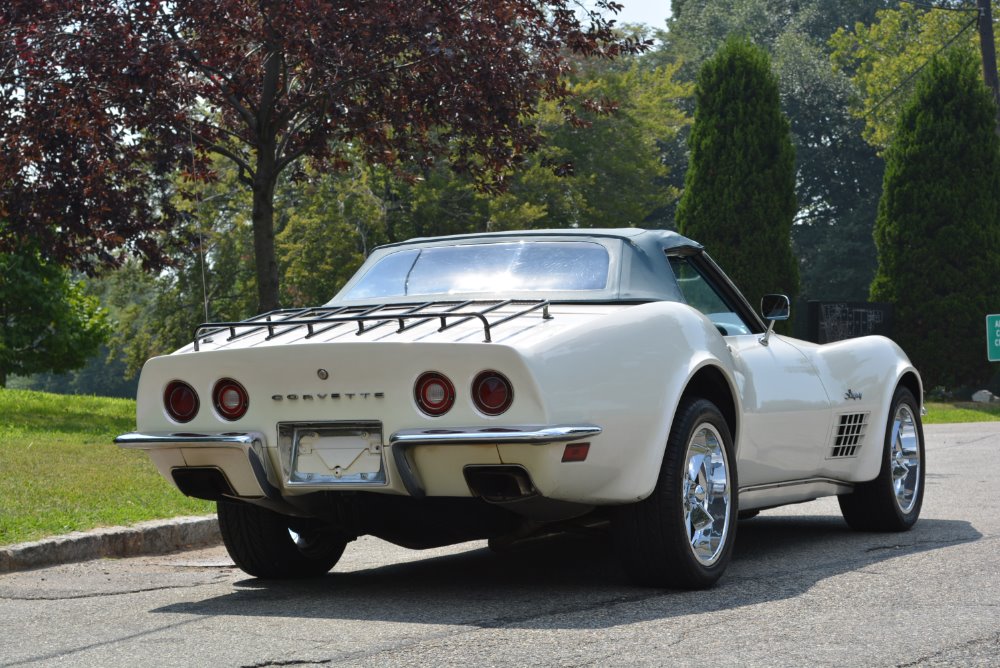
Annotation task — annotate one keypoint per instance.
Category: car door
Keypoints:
(786, 410)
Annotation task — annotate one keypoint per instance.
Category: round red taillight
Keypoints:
(434, 393)
(181, 401)
(492, 393)
(230, 399)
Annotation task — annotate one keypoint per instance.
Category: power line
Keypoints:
(926, 5)
(927, 62)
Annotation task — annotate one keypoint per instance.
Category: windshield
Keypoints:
(525, 266)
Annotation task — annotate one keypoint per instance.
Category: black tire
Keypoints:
(654, 536)
(876, 505)
(261, 543)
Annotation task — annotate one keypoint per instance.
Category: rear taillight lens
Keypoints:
(181, 401)
(434, 393)
(230, 399)
(492, 393)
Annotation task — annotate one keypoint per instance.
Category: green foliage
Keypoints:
(739, 196)
(47, 321)
(608, 171)
(332, 223)
(938, 226)
(838, 175)
(102, 375)
(882, 57)
(87, 481)
(617, 177)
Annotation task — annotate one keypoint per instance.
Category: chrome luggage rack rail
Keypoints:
(324, 318)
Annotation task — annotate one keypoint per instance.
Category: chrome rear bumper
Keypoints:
(252, 444)
(402, 441)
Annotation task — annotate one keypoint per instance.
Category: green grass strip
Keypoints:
(60, 470)
(963, 411)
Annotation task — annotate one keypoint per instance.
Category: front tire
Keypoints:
(268, 545)
(891, 502)
(682, 535)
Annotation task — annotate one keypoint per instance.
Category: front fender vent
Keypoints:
(849, 436)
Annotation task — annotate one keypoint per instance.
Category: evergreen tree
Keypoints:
(938, 225)
(739, 191)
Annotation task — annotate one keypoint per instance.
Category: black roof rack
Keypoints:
(407, 316)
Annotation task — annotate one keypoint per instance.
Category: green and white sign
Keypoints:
(993, 338)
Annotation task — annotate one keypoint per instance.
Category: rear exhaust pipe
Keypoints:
(499, 484)
(510, 487)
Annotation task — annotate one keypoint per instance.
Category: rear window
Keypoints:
(525, 266)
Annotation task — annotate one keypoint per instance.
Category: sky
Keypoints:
(651, 12)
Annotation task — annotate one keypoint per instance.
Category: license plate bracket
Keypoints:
(332, 454)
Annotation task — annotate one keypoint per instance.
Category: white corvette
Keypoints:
(509, 384)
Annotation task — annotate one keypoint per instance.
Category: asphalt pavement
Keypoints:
(802, 589)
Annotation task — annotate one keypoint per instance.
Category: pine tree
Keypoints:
(938, 225)
(739, 190)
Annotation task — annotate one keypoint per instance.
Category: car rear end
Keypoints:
(270, 412)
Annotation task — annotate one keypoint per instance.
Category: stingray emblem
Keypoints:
(851, 394)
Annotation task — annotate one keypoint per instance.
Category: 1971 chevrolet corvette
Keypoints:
(510, 384)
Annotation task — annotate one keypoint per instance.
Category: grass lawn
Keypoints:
(60, 470)
(961, 411)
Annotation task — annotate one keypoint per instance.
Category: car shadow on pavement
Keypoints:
(575, 582)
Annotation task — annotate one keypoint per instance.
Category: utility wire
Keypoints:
(925, 5)
(927, 62)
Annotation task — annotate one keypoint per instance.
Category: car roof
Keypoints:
(638, 272)
(661, 239)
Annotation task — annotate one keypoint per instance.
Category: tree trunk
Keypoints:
(265, 179)
(263, 232)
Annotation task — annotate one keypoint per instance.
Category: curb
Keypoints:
(154, 537)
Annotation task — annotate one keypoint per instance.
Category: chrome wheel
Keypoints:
(707, 494)
(904, 458)
(892, 500)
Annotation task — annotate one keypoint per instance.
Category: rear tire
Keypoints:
(266, 544)
(891, 502)
(682, 535)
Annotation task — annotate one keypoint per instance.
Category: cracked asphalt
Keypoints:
(802, 590)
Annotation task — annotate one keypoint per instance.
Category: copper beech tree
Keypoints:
(103, 101)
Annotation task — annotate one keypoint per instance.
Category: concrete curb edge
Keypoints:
(153, 537)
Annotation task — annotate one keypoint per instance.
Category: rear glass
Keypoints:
(537, 266)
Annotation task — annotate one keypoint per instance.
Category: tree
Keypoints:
(739, 191)
(884, 56)
(102, 93)
(938, 226)
(47, 321)
(838, 175)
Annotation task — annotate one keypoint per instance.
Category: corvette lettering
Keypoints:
(333, 395)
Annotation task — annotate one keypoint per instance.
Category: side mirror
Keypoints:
(773, 308)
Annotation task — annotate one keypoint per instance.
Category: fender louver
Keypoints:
(850, 434)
